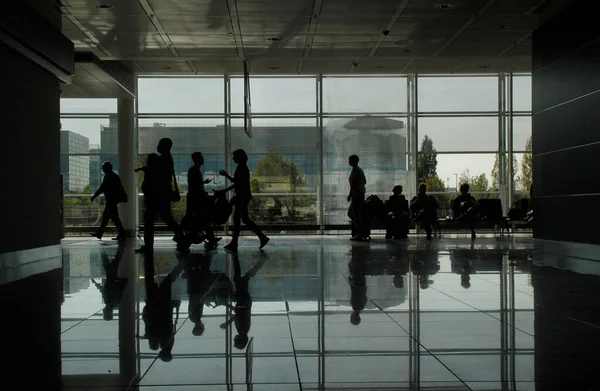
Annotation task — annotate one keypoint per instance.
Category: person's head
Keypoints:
(198, 158)
(422, 188)
(152, 159)
(107, 167)
(107, 313)
(353, 160)
(397, 190)
(198, 329)
(465, 280)
(240, 156)
(355, 318)
(464, 189)
(240, 341)
(164, 145)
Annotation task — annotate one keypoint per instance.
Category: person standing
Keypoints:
(356, 197)
(243, 195)
(113, 193)
(197, 213)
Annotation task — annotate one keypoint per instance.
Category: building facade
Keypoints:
(74, 166)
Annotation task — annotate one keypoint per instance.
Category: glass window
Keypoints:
(476, 93)
(380, 143)
(88, 106)
(454, 134)
(276, 95)
(181, 95)
(522, 133)
(522, 93)
(284, 162)
(364, 95)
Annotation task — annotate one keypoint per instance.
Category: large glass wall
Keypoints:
(439, 129)
(83, 148)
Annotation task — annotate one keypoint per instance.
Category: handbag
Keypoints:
(175, 196)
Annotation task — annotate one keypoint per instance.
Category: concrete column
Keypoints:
(126, 143)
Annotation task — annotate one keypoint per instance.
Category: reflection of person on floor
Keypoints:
(461, 264)
(243, 301)
(112, 286)
(358, 285)
(158, 311)
(199, 281)
(425, 264)
(424, 208)
(464, 208)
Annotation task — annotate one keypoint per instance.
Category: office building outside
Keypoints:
(73, 165)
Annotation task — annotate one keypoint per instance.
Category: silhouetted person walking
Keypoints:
(243, 195)
(243, 301)
(160, 194)
(357, 198)
(113, 193)
(112, 286)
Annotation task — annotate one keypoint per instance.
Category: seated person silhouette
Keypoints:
(243, 301)
(396, 224)
(112, 286)
(157, 314)
(424, 208)
(465, 208)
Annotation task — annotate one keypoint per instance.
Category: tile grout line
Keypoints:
(287, 312)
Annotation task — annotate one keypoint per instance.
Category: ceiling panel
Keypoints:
(488, 64)
(431, 7)
(277, 32)
(350, 8)
(92, 7)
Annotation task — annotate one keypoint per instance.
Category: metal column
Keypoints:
(509, 137)
(127, 155)
(502, 169)
(321, 149)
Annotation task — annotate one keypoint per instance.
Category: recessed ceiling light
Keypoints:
(484, 66)
(379, 67)
(406, 50)
(444, 6)
(273, 68)
(273, 39)
(503, 26)
(105, 6)
(167, 68)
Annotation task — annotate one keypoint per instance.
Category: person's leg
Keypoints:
(389, 227)
(105, 217)
(237, 222)
(253, 227)
(149, 217)
(117, 221)
(165, 214)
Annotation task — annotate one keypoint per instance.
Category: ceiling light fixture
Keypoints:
(273, 39)
(444, 6)
(484, 67)
(167, 68)
(105, 6)
(406, 50)
(273, 68)
(503, 26)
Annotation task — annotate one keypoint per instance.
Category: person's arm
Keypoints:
(226, 175)
(100, 189)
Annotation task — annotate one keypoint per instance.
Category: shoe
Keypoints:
(231, 246)
(95, 235)
(120, 238)
(263, 241)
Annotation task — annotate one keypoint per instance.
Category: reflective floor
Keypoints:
(314, 312)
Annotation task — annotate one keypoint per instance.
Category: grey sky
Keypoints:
(341, 95)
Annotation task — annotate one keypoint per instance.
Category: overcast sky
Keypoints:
(340, 96)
